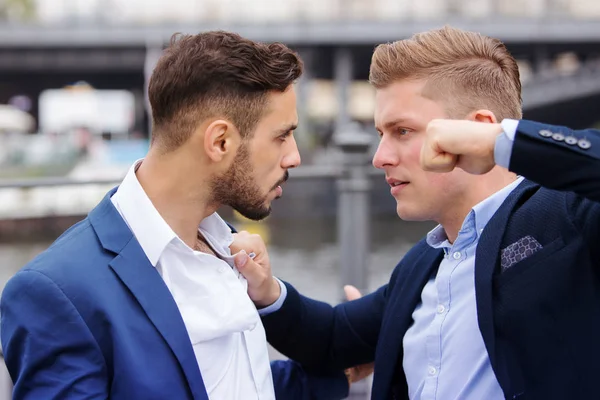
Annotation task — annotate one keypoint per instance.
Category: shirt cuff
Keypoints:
(504, 142)
(277, 305)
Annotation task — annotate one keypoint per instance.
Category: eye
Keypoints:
(285, 135)
(403, 131)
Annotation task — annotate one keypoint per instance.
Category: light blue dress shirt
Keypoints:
(444, 354)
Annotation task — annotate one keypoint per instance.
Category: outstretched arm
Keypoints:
(293, 382)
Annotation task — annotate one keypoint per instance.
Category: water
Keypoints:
(303, 252)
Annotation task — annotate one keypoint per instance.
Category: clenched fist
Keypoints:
(468, 145)
(263, 289)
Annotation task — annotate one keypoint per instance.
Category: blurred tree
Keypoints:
(17, 10)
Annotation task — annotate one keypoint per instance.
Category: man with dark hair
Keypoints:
(141, 300)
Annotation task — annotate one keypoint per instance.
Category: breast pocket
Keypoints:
(539, 260)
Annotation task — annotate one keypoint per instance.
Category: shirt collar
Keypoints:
(151, 230)
(477, 218)
(217, 233)
(485, 210)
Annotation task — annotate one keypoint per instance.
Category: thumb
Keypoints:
(352, 293)
(247, 267)
(240, 259)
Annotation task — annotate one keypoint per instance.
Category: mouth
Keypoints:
(277, 188)
(396, 185)
(278, 192)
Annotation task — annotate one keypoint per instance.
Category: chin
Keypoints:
(255, 214)
(409, 214)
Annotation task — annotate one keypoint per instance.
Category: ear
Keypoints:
(221, 138)
(483, 116)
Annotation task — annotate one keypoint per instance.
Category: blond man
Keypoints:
(502, 298)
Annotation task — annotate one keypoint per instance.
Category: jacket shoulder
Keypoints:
(72, 259)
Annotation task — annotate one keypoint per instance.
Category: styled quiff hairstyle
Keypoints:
(216, 74)
(465, 71)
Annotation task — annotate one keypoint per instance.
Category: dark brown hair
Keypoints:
(465, 70)
(216, 74)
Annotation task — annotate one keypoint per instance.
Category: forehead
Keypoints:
(403, 100)
(281, 108)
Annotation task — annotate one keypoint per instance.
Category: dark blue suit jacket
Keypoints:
(540, 318)
(91, 318)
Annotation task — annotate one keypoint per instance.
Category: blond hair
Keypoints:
(466, 71)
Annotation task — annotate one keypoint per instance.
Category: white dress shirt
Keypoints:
(224, 327)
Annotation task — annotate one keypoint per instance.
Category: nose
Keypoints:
(292, 157)
(385, 156)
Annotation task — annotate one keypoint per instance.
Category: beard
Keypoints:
(238, 189)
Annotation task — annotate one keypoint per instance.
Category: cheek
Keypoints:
(414, 148)
(436, 181)
(442, 186)
(266, 166)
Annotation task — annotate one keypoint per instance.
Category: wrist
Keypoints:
(495, 130)
(271, 296)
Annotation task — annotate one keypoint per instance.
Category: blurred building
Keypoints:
(113, 44)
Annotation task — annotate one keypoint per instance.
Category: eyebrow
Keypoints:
(391, 124)
(287, 129)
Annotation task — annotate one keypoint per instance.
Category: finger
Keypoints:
(238, 245)
(365, 370)
(436, 160)
(352, 293)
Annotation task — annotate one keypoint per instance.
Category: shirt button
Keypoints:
(441, 309)
(431, 370)
(456, 255)
(221, 269)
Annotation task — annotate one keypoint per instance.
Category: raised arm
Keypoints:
(556, 157)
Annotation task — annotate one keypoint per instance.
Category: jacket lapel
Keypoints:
(487, 261)
(147, 286)
(405, 297)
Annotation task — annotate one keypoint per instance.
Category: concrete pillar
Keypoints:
(302, 94)
(353, 218)
(343, 76)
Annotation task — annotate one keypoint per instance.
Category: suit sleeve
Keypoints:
(327, 338)
(49, 351)
(558, 158)
(293, 382)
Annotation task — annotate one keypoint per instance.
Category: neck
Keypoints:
(182, 202)
(484, 186)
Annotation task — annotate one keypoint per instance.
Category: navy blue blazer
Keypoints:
(540, 318)
(91, 318)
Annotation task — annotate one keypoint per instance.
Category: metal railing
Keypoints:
(352, 175)
(306, 172)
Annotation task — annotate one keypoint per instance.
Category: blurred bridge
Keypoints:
(115, 44)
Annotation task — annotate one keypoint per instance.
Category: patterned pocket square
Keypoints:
(518, 251)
